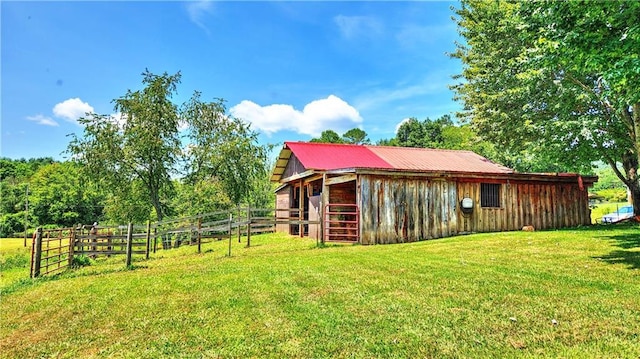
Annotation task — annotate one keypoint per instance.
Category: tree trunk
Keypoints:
(635, 197)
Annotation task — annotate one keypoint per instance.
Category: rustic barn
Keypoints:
(376, 194)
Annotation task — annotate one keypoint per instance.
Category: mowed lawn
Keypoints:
(570, 294)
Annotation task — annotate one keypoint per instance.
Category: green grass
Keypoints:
(485, 295)
(14, 261)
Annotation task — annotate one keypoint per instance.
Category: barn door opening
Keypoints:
(341, 215)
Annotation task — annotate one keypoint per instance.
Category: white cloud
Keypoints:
(43, 120)
(357, 26)
(317, 116)
(197, 10)
(72, 109)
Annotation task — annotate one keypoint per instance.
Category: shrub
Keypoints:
(80, 261)
(614, 194)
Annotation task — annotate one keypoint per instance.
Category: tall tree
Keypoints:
(425, 134)
(557, 79)
(328, 136)
(142, 145)
(139, 155)
(60, 195)
(356, 136)
(222, 148)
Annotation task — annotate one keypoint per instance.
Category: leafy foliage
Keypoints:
(60, 194)
(354, 136)
(139, 155)
(328, 136)
(222, 149)
(555, 80)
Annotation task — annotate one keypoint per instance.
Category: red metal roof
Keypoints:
(329, 156)
(326, 156)
(437, 160)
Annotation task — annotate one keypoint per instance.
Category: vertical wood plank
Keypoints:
(37, 254)
(148, 240)
(248, 229)
(129, 243)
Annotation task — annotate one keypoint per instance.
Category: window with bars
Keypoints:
(490, 195)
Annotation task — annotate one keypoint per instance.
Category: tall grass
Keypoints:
(569, 293)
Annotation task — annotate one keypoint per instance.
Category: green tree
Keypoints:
(328, 136)
(411, 134)
(555, 79)
(424, 134)
(138, 156)
(60, 195)
(356, 136)
(202, 197)
(14, 182)
(142, 145)
(222, 149)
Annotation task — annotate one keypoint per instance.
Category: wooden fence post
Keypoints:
(199, 234)
(230, 219)
(155, 239)
(72, 244)
(37, 254)
(129, 244)
(239, 221)
(248, 226)
(146, 255)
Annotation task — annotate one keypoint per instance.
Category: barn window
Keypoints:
(490, 195)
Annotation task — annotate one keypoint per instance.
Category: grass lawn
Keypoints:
(570, 293)
(14, 261)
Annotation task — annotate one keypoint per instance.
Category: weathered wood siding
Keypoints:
(314, 215)
(544, 205)
(343, 193)
(294, 167)
(406, 209)
(283, 199)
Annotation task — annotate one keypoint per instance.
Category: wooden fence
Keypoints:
(51, 251)
(54, 249)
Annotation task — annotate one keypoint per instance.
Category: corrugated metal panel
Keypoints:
(423, 159)
(327, 156)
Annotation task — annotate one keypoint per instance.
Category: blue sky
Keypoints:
(292, 69)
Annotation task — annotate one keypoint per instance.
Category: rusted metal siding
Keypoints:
(542, 205)
(398, 209)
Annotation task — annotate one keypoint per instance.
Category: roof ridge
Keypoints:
(380, 146)
(424, 149)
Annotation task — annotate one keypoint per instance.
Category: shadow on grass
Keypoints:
(629, 258)
(625, 236)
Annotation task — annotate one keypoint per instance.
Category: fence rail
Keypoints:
(54, 249)
(51, 251)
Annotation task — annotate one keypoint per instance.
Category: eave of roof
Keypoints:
(340, 158)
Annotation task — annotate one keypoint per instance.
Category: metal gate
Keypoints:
(341, 222)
